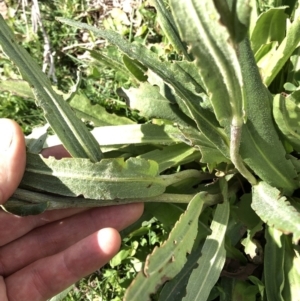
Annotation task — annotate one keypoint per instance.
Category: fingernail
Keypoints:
(6, 135)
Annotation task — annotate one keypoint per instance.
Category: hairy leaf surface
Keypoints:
(168, 25)
(275, 210)
(176, 77)
(151, 104)
(259, 136)
(71, 131)
(108, 179)
(210, 264)
(274, 264)
(215, 56)
(166, 261)
(129, 134)
(95, 113)
(286, 111)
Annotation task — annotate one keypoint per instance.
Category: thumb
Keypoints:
(12, 157)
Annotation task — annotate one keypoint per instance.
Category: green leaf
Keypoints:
(244, 291)
(166, 21)
(277, 60)
(95, 113)
(215, 57)
(108, 179)
(270, 27)
(131, 134)
(166, 261)
(210, 264)
(36, 140)
(286, 111)
(17, 87)
(274, 264)
(72, 132)
(176, 288)
(259, 136)
(172, 155)
(292, 271)
(245, 213)
(111, 58)
(175, 76)
(151, 104)
(242, 18)
(135, 68)
(119, 257)
(259, 284)
(16, 207)
(275, 210)
(235, 15)
(210, 154)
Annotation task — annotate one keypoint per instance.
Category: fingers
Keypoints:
(57, 236)
(47, 277)
(12, 158)
(3, 295)
(16, 226)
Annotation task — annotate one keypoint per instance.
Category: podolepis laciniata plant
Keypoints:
(213, 107)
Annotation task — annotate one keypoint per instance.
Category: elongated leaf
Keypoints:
(107, 179)
(283, 52)
(235, 16)
(275, 210)
(111, 58)
(16, 207)
(165, 19)
(172, 155)
(259, 137)
(286, 111)
(130, 134)
(36, 140)
(72, 132)
(210, 154)
(95, 113)
(294, 68)
(270, 27)
(210, 264)
(176, 77)
(215, 56)
(292, 271)
(176, 288)
(274, 264)
(166, 261)
(135, 68)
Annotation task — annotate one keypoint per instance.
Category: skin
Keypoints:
(42, 255)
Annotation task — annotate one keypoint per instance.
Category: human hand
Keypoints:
(42, 255)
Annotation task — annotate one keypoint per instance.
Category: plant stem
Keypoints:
(235, 140)
(22, 197)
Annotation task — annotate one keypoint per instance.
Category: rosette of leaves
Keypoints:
(212, 106)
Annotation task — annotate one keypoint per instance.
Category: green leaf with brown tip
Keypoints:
(166, 261)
